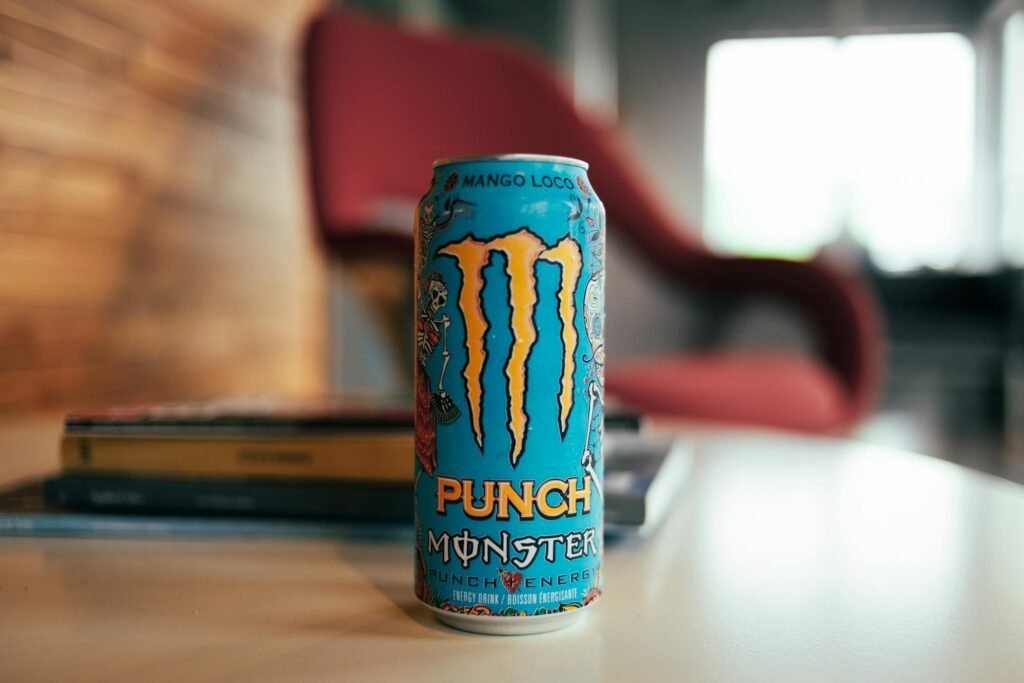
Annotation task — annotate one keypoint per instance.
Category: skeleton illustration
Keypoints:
(431, 408)
(428, 332)
(441, 404)
(593, 318)
(436, 215)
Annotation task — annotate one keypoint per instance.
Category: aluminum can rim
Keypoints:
(549, 158)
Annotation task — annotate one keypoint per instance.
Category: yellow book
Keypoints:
(370, 456)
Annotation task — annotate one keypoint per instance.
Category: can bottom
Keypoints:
(508, 626)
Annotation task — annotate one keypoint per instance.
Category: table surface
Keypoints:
(785, 559)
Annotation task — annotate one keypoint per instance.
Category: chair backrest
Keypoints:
(383, 102)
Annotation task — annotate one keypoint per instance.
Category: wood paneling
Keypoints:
(155, 237)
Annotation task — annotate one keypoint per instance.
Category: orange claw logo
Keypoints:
(522, 249)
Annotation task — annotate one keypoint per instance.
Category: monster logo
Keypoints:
(522, 250)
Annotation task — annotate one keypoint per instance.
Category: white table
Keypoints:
(785, 559)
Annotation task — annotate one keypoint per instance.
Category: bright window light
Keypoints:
(771, 174)
(807, 137)
(1012, 171)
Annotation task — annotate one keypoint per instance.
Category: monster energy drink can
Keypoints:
(509, 386)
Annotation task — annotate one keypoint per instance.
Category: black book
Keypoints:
(352, 501)
(642, 476)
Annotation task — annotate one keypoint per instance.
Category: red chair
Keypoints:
(384, 102)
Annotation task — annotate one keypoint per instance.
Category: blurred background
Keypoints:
(156, 225)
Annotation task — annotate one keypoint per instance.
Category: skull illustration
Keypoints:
(593, 315)
(437, 294)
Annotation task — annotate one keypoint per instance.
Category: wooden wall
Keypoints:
(155, 233)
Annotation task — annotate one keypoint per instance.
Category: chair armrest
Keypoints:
(838, 306)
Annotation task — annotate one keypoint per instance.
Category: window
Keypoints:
(869, 137)
(771, 173)
(1012, 155)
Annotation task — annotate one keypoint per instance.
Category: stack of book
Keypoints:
(264, 457)
(314, 462)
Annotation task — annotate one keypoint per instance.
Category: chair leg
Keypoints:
(371, 326)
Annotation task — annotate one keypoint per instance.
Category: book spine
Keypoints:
(380, 503)
(107, 525)
(368, 457)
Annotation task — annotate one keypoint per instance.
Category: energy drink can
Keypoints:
(509, 383)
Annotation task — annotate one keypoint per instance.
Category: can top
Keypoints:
(550, 158)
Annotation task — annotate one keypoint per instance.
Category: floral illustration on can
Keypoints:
(509, 387)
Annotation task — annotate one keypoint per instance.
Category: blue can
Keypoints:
(509, 382)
